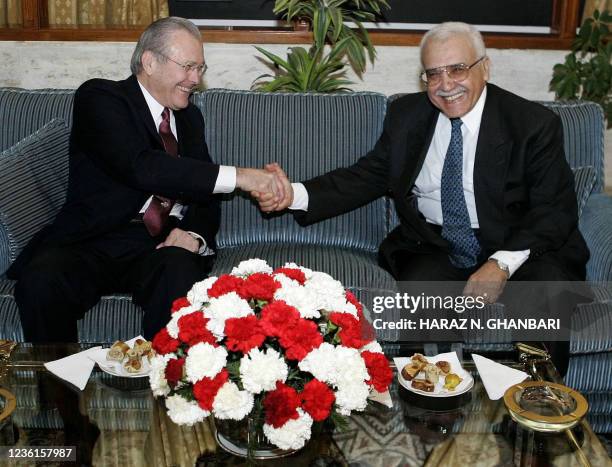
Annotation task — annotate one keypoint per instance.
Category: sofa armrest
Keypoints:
(596, 227)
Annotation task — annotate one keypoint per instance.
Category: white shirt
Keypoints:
(428, 182)
(226, 179)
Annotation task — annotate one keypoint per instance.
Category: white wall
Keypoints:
(235, 66)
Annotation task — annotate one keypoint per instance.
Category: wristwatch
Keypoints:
(501, 265)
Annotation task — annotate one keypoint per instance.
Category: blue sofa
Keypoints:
(307, 134)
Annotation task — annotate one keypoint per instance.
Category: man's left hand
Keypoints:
(181, 239)
(487, 282)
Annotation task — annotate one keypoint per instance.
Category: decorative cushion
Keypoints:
(33, 182)
(584, 181)
(27, 110)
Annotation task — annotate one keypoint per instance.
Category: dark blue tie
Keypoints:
(456, 227)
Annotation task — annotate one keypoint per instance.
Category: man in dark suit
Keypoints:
(141, 212)
(478, 176)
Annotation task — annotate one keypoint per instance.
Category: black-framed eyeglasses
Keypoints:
(189, 66)
(456, 72)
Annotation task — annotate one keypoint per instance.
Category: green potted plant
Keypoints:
(318, 69)
(587, 70)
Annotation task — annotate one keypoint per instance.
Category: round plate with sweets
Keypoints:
(116, 368)
(467, 382)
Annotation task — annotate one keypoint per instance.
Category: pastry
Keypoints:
(117, 351)
(133, 363)
(422, 385)
(418, 358)
(432, 373)
(143, 348)
(411, 370)
(452, 381)
(444, 366)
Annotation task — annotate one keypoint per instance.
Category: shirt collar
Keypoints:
(471, 120)
(155, 107)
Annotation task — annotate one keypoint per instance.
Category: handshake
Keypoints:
(269, 186)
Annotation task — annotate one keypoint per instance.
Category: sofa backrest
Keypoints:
(583, 135)
(307, 134)
(23, 111)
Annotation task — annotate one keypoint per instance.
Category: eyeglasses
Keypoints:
(457, 72)
(189, 66)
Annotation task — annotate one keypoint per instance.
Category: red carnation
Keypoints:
(277, 316)
(206, 389)
(259, 286)
(163, 343)
(192, 329)
(179, 303)
(317, 399)
(225, 284)
(353, 300)
(378, 369)
(350, 333)
(243, 334)
(292, 273)
(174, 371)
(281, 405)
(299, 339)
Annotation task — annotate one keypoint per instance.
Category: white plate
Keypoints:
(439, 391)
(115, 368)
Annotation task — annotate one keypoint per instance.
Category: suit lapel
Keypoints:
(134, 93)
(418, 139)
(490, 166)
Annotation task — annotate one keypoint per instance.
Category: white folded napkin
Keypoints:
(497, 378)
(382, 397)
(75, 369)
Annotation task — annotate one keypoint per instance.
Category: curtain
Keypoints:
(591, 5)
(10, 13)
(106, 12)
(90, 12)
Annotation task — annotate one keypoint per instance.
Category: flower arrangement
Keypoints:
(289, 346)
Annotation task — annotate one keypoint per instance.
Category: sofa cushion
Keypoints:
(28, 110)
(308, 134)
(584, 181)
(33, 182)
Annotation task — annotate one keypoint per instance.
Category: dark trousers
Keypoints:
(434, 267)
(60, 283)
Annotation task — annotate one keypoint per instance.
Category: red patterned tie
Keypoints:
(156, 215)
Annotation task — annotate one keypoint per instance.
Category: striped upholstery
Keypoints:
(591, 325)
(596, 227)
(352, 267)
(307, 134)
(583, 135)
(10, 326)
(40, 164)
(590, 372)
(584, 181)
(28, 110)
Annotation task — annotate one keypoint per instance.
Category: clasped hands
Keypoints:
(270, 187)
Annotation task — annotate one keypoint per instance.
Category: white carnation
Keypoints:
(352, 396)
(172, 325)
(184, 412)
(199, 292)
(307, 272)
(286, 281)
(204, 361)
(251, 266)
(260, 370)
(230, 305)
(329, 294)
(293, 434)
(372, 347)
(320, 362)
(301, 298)
(232, 403)
(157, 376)
(351, 366)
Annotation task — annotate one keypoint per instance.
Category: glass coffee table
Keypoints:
(116, 421)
